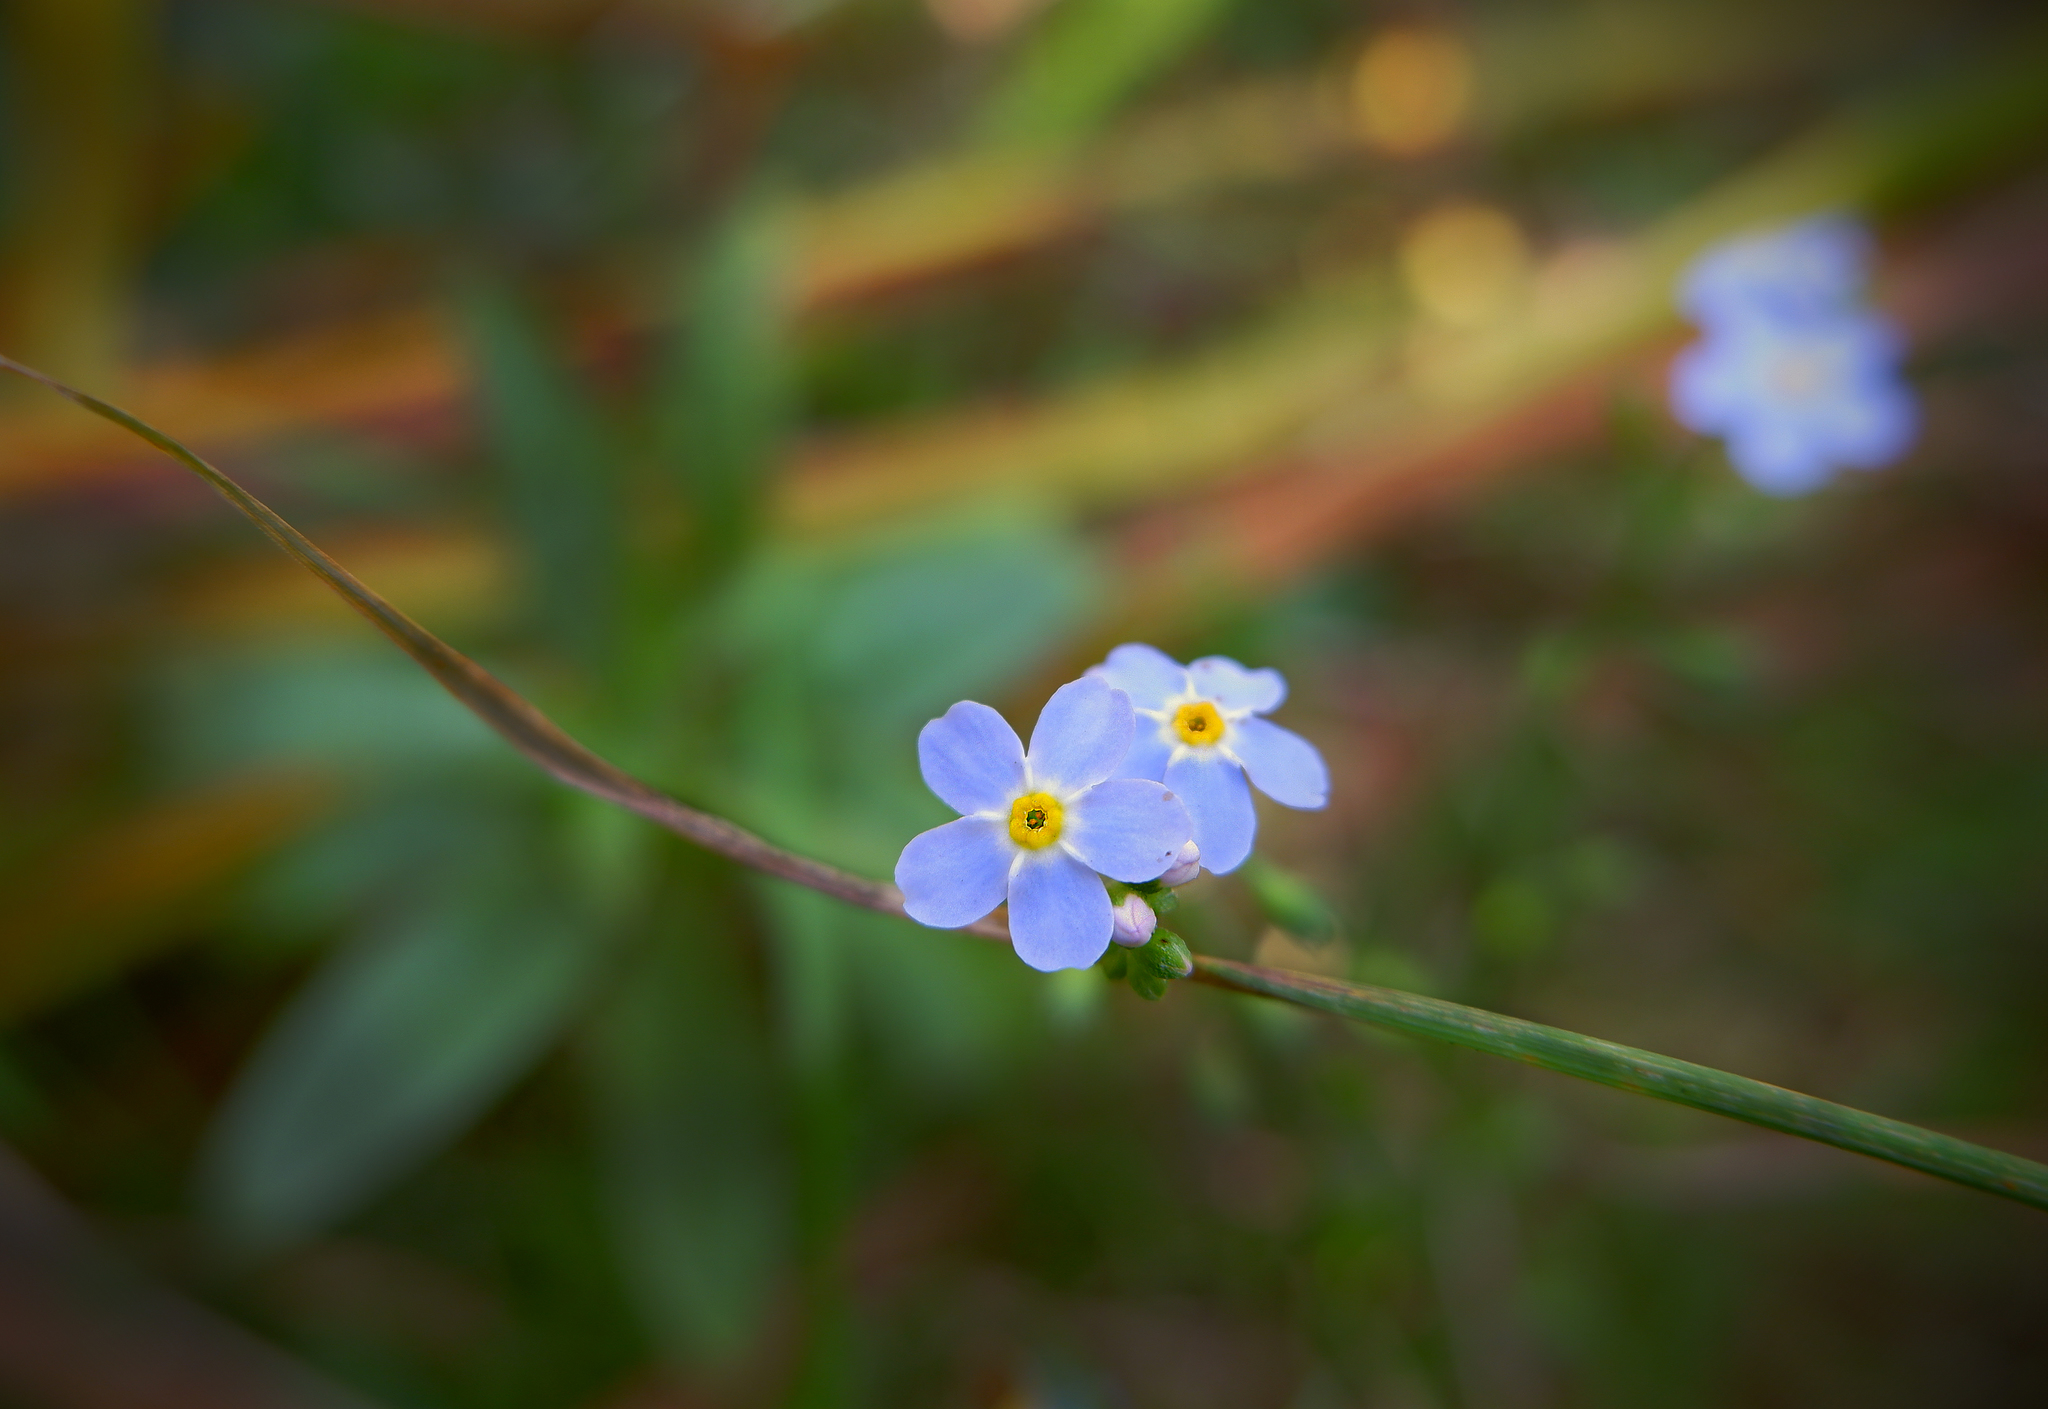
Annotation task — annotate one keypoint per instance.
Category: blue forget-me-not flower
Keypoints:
(1796, 376)
(1036, 827)
(1796, 401)
(1200, 733)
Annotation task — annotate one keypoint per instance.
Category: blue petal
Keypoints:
(1129, 828)
(955, 874)
(1059, 913)
(1876, 425)
(1706, 394)
(1219, 803)
(971, 758)
(1813, 268)
(1149, 752)
(1148, 675)
(1082, 734)
(1223, 680)
(1281, 764)
(1776, 458)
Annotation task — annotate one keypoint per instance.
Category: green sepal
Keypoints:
(1157, 894)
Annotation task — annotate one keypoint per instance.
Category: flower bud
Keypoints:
(1168, 955)
(1134, 921)
(1150, 971)
(1185, 866)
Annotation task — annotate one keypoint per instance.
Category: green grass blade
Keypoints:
(558, 476)
(398, 1045)
(1647, 1074)
(725, 395)
(1086, 60)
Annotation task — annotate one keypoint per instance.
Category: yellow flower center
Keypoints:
(1198, 724)
(1800, 375)
(1035, 820)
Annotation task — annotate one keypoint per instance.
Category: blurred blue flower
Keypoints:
(1797, 399)
(1199, 733)
(1036, 827)
(1794, 373)
(1814, 268)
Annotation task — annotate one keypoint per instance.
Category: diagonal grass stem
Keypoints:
(1646, 1074)
(1588, 1058)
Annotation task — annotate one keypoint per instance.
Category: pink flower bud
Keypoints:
(1134, 921)
(1185, 866)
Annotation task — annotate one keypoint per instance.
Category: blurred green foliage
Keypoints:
(471, 1093)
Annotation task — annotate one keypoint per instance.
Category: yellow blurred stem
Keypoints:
(78, 69)
(1257, 460)
(104, 901)
(954, 213)
(457, 575)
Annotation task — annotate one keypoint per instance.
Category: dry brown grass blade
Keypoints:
(514, 718)
(79, 1329)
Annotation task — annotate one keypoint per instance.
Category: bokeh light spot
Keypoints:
(978, 21)
(1465, 263)
(1411, 90)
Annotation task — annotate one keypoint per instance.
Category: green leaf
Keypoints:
(1290, 902)
(816, 951)
(560, 475)
(1085, 60)
(696, 1167)
(724, 397)
(1514, 917)
(871, 643)
(388, 841)
(396, 1045)
(967, 610)
(354, 706)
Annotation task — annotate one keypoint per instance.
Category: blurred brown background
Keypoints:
(747, 380)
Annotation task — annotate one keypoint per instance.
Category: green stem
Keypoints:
(1647, 1074)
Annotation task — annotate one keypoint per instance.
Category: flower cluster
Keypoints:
(1141, 772)
(1795, 373)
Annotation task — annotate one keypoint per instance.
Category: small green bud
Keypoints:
(1116, 963)
(1168, 955)
(1163, 959)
